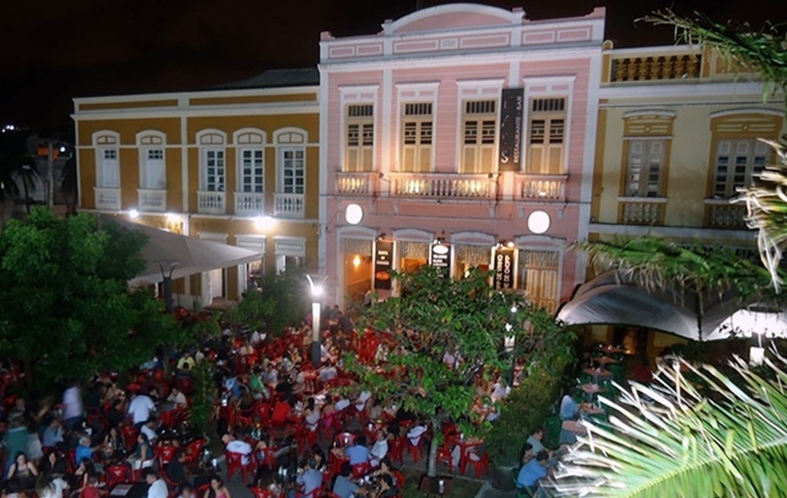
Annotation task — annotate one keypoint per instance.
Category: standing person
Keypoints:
(15, 440)
(139, 408)
(73, 409)
(158, 488)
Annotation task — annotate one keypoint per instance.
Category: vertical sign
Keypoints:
(383, 251)
(440, 258)
(503, 265)
(511, 110)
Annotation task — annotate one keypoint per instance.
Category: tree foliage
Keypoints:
(433, 317)
(67, 310)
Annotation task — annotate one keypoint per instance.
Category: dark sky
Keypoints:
(51, 51)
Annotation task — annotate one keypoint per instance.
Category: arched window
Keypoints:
(152, 164)
(291, 160)
(106, 143)
(250, 144)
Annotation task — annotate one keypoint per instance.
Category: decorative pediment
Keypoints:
(454, 17)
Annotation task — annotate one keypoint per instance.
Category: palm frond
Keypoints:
(671, 439)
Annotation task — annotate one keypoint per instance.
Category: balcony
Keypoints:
(722, 214)
(289, 205)
(638, 65)
(107, 199)
(249, 203)
(211, 202)
(355, 183)
(442, 186)
(541, 187)
(152, 200)
(641, 211)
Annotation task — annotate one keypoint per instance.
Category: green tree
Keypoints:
(17, 167)
(435, 316)
(67, 309)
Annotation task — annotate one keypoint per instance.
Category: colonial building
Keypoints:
(465, 133)
(677, 137)
(237, 165)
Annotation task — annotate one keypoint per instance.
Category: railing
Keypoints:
(211, 202)
(645, 67)
(107, 198)
(355, 183)
(722, 214)
(288, 205)
(152, 200)
(442, 185)
(249, 203)
(541, 187)
(642, 211)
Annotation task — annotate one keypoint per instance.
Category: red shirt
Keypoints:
(90, 492)
(281, 411)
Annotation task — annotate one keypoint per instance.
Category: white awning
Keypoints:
(165, 251)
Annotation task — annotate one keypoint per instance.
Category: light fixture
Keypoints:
(513, 309)
(133, 214)
(510, 244)
(381, 237)
(62, 148)
(264, 222)
(357, 261)
(538, 222)
(173, 218)
(353, 214)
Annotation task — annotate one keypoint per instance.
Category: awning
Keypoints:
(183, 255)
(612, 298)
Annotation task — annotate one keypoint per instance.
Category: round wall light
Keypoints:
(538, 222)
(353, 214)
(133, 214)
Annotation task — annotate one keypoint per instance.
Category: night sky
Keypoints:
(53, 51)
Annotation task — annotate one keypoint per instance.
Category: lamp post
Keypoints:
(167, 281)
(317, 291)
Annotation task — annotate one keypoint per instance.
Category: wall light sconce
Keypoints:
(381, 237)
(133, 214)
(357, 261)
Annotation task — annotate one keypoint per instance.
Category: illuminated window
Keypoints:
(213, 170)
(479, 131)
(417, 130)
(252, 170)
(546, 136)
(359, 137)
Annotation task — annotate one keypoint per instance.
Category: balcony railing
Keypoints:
(355, 183)
(433, 185)
(722, 214)
(288, 205)
(541, 187)
(107, 198)
(152, 200)
(645, 211)
(211, 202)
(249, 203)
(655, 66)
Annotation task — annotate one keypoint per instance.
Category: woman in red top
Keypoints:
(281, 412)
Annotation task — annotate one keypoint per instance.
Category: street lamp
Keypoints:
(167, 280)
(317, 290)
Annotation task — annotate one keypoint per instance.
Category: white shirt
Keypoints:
(178, 399)
(242, 447)
(255, 337)
(342, 404)
(415, 434)
(72, 403)
(158, 489)
(150, 433)
(499, 392)
(362, 399)
(380, 449)
(140, 408)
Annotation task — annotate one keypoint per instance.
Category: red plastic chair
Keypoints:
(165, 454)
(260, 492)
(480, 466)
(116, 474)
(396, 451)
(444, 456)
(268, 458)
(130, 434)
(399, 478)
(361, 469)
(416, 449)
(235, 463)
(316, 493)
(344, 439)
(194, 450)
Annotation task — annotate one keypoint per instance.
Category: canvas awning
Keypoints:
(613, 298)
(184, 255)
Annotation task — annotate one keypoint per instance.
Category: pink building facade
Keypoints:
(466, 135)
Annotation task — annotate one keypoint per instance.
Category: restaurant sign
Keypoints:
(383, 254)
(440, 258)
(504, 267)
(511, 110)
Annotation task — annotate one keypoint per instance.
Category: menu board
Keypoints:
(383, 253)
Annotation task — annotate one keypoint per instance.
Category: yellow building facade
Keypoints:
(677, 137)
(238, 166)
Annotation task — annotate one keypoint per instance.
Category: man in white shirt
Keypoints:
(139, 408)
(158, 488)
(73, 410)
(233, 445)
(177, 397)
(342, 404)
(149, 429)
(255, 338)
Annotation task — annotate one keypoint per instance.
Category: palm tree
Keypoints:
(17, 166)
(730, 437)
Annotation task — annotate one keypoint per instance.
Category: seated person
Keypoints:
(343, 486)
(143, 453)
(386, 487)
(310, 479)
(149, 429)
(234, 445)
(380, 448)
(357, 453)
(186, 362)
(186, 491)
(23, 472)
(535, 440)
(533, 471)
(157, 485)
(415, 434)
(176, 470)
(568, 407)
(177, 398)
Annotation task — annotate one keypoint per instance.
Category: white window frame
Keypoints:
(756, 156)
(212, 141)
(416, 93)
(102, 165)
(550, 121)
(550, 87)
(644, 147)
(422, 124)
(104, 140)
(282, 169)
(362, 147)
(481, 145)
(257, 179)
